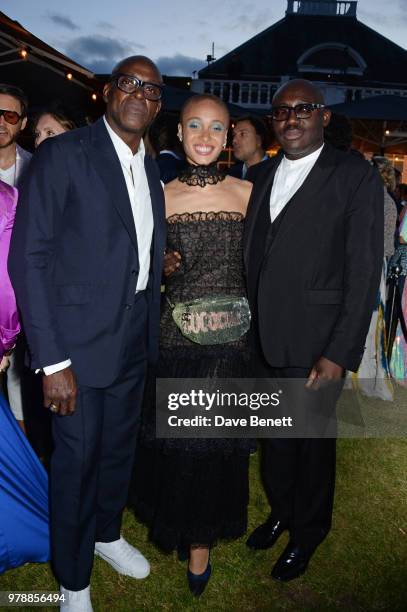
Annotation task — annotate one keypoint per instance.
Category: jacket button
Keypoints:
(127, 306)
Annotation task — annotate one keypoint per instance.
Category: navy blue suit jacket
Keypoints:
(74, 258)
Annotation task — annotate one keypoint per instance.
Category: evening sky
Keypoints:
(177, 34)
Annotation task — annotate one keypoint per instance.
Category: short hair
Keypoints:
(202, 98)
(260, 127)
(386, 170)
(58, 114)
(17, 93)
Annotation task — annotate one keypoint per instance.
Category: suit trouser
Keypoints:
(299, 476)
(93, 458)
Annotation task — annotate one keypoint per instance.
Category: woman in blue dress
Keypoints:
(24, 533)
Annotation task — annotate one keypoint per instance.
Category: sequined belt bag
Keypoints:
(213, 320)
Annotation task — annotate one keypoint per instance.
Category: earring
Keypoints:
(179, 136)
(224, 145)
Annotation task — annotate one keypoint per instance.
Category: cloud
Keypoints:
(105, 25)
(402, 9)
(375, 18)
(179, 65)
(100, 53)
(252, 22)
(63, 21)
(391, 18)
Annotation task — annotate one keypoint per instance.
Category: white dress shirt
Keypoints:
(13, 175)
(140, 200)
(290, 175)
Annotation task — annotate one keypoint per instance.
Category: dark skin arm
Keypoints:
(60, 389)
(172, 261)
(324, 371)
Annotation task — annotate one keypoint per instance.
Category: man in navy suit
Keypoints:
(86, 261)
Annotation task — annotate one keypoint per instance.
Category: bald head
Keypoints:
(140, 60)
(203, 98)
(302, 89)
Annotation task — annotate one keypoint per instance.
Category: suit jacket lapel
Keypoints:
(157, 204)
(305, 201)
(109, 169)
(260, 197)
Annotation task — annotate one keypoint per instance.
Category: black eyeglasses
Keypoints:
(129, 84)
(11, 117)
(301, 111)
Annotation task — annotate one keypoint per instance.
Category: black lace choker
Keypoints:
(201, 175)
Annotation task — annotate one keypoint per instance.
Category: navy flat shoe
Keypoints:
(197, 582)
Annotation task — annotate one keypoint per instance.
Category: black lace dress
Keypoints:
(195, 491)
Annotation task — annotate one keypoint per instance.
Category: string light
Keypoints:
(387, 132)
(94, 96)
(23, 53)
(69, 76)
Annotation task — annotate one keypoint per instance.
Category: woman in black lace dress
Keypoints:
(192, 492)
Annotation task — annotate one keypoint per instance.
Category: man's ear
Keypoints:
(23, 123)
(326, 117)
(106, 90)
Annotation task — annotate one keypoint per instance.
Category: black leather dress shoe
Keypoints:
(266, 535)
(292, 563)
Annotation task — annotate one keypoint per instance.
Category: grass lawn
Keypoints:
(361, 566)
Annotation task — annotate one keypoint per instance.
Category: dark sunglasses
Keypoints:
(301, 111)
(11, 117)
(130, 84)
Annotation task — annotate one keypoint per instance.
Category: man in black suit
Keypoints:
(86, 261)
(313, 254)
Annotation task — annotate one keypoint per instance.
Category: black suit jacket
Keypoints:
(252, 172)
(314, 285)
(74, 258)
(169, 166)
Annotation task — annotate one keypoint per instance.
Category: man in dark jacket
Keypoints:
(313, 255)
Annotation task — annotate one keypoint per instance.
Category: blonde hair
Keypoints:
(59, 116)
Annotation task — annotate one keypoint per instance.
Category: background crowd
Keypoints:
(385, 357)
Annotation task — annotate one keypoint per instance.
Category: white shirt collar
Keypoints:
(123, 151)
(303, 161)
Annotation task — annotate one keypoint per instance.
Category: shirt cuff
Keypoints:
(56, 367)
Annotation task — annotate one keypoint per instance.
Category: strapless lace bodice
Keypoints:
(211, 251)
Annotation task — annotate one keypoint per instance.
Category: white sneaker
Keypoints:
(76, 601)
(124, 558)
